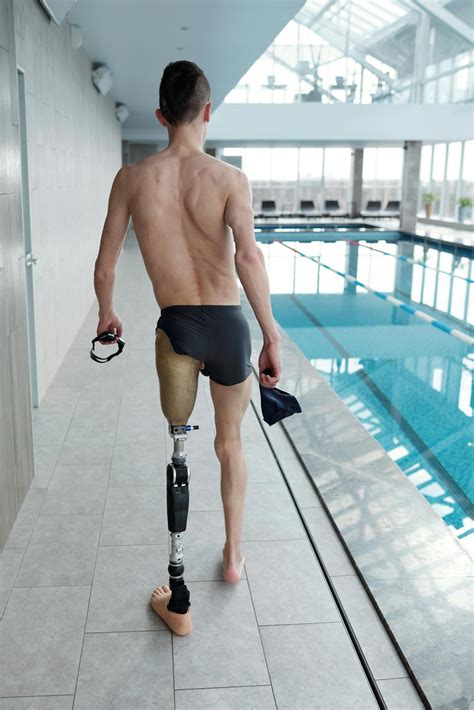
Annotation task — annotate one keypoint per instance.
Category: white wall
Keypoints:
(347, 124)
(74, 147)
(350, 123)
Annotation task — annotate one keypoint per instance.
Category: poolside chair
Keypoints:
(307, 207)
(393, 206)
(331, 205)
(268, 206)
(332, 208)
(373, 206)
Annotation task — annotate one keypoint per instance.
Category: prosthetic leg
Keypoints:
(178, 376)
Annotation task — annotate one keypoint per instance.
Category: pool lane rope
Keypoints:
(409, 260)
(459, 334)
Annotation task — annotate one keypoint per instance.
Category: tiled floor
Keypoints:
(90, 544)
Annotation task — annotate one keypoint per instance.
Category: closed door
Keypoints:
(30, 259)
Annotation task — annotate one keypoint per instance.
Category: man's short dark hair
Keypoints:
(184, 90)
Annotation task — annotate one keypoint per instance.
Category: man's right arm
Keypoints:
(250, 267)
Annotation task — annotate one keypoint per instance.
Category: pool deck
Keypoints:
(90, 544)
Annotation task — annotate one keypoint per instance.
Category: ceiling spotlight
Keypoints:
(102, 78)
(122, 112)
(184, 28)
(179, 48)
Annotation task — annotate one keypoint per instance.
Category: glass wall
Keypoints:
(447, 171)
(445, 282)
(361, 52)
(290, 175)
(382, 175)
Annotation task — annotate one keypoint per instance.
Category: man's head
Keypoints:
(184, 93)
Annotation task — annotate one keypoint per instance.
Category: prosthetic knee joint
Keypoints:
(177, 477)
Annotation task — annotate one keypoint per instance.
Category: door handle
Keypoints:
(30, 259)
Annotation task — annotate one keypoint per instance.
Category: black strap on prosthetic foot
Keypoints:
(179, 600)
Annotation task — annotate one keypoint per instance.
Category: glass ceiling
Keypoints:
(363, 17)
(361, 51)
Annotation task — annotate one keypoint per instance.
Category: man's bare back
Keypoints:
(177, 201)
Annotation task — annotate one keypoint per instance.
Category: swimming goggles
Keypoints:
(107, 337)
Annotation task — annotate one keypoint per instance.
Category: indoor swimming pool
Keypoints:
(408, 381)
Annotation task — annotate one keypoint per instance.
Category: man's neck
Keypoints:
(185, 138)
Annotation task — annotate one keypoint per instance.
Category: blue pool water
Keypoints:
(409, 384)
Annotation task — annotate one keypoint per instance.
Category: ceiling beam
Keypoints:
(391, 30)
(315, 18)
(450, 20)
(358, 54)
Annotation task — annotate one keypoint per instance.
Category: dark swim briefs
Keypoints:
(217, 335)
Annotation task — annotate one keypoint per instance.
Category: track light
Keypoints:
(102, 78)
(122, 112)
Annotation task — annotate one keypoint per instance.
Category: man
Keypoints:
(186, 206)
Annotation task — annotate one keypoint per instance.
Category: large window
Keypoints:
(382, 175)
(362, 51)
(447, 171)
(291, 175)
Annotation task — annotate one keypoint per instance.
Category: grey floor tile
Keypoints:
(50, 427)
(40, 640)
(78, 499)
(204, 488)
(326, 674)
(251, 430)
(62, 551)
(261, 465)
(330, 547)
(444, 671)
(137, 428)
(67, 528)
(135, 497)
(10, 561)
(120, 671)
(258, 697)
(381, 654)
(224, 648)
(270, 514)
(131, 454)
(140, 396)
(203, 541)
(135, 515)
(80, 474)
(94, 410)
(87, 452)
(19, 534)
(53, 702)
(124, 579)
(83, 435)
(286, 583)
(45, 457)
(400, 694)
(422, 551)
(32, 504)
(25, 520)
(138, 474)
(57, 564)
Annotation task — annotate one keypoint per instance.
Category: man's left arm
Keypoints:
(111, 243)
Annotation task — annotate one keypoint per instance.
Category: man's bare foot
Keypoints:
(180, 624)
(233, 563)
